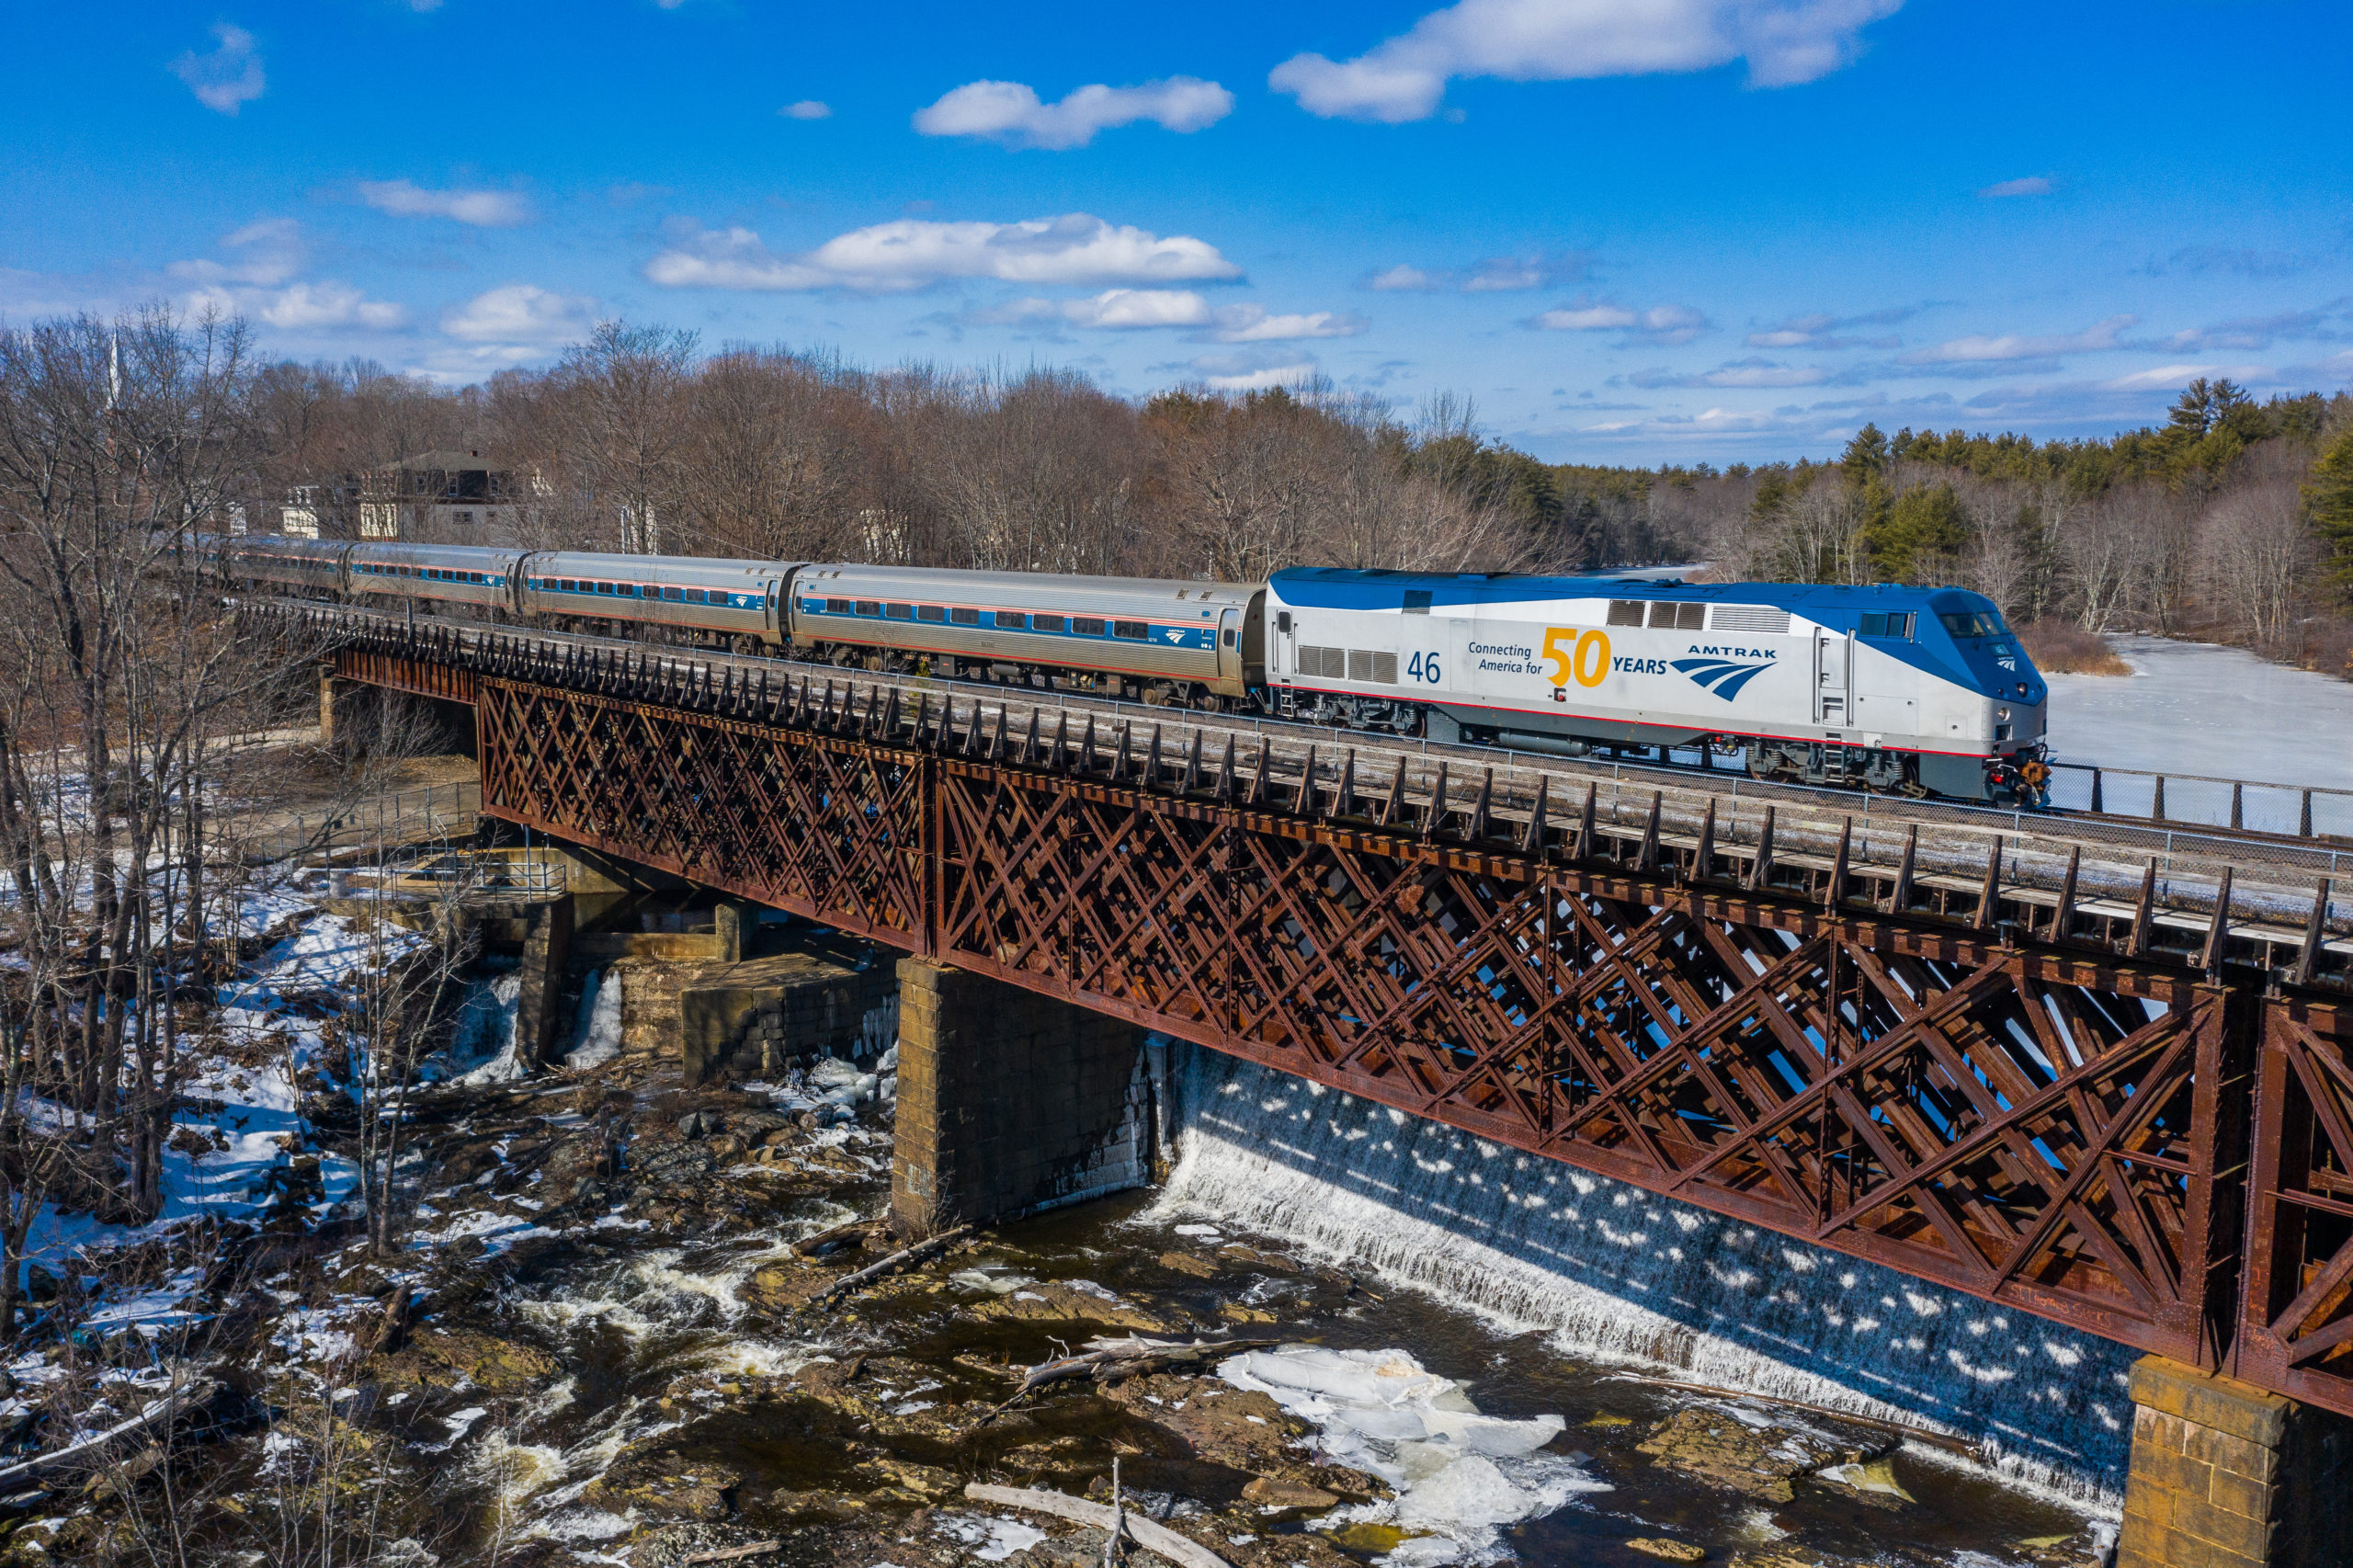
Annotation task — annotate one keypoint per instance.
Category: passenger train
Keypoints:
(1918, 690)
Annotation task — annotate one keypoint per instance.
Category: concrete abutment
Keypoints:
(1010, 1102)
(2225, 1475)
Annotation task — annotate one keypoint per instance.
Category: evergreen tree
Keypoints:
(1866, 456)
(1916, 536)
(2328, 500)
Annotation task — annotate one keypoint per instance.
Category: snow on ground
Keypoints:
(2197, 708)
(240, 1096)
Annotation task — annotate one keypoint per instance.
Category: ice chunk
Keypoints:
(1471, 1491)
(1458, 1473)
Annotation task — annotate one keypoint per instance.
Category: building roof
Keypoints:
(446, 461)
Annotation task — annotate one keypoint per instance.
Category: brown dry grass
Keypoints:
(2061, 647)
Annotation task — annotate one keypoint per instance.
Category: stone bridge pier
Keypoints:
(1010, 1102)
(2226, 1475)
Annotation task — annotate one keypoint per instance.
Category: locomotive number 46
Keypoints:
(1424, 668)
(1581, 655)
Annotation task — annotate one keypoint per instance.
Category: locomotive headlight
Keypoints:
(2002, 714)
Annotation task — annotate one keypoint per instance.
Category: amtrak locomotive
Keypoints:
(1921, 690)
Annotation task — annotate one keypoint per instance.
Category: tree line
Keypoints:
(2233, 520)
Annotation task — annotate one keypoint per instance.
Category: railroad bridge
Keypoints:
(2042, 1062)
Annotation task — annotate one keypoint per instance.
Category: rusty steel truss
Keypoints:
(2153, 1145)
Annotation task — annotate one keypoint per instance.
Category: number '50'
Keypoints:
(1582, 655)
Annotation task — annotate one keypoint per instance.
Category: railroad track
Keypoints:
(2154, 871)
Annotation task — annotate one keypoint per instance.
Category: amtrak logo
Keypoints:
(1176, 634)
(1722, 676)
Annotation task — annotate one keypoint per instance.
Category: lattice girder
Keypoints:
(2031, 1125)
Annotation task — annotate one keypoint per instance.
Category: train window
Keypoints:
(569, 586)
(697, 597)
(869, 606)
(1896, 624)
(930, 612)
(1134, 631)
(1086, 626)
(1012, 619)
(1417, 601)
(1973, 623)
(1045, 623)
(1625, 612)
(1231, 637)
(476, 577)
(963, 617)
(674, 595)
(899, 612)
(604, 587)
(837, 607)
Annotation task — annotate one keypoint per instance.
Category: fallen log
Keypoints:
(157, 1411)
(1110, 1360)
(838, 1237)
(1155, 1538)
(757, 1548)
(906, 1257)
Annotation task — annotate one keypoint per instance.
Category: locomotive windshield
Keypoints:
(1974, 623)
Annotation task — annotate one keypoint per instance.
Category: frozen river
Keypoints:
(2195, 708)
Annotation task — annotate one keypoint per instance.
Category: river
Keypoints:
(2196, 708)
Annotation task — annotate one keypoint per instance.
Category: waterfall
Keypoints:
(1616, 1275)
(481, 1036)
(596, 1039)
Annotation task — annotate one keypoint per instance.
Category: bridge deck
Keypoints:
(2017, 1056)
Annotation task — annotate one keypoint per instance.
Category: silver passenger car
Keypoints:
(1158, 632)
(738, 597)
(437, 573)
(310, 563)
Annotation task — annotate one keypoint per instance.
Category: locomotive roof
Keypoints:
(1338, 587)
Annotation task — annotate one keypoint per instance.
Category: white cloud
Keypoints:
(1011, 112)
(521, 313)
(229, 77)
(1494, 275)
(1669, 325)
(258, 280)
(1750, 373)
(1266, 380)
(1822, 330)
(483, 209)
(1252, 324)
(304, 307)
(1121, 310)
(807, 108)
(1403, 279)
(2253, 332)
(2164, 378)
(2033, 185)
(2012, 346)
(1784, 42)
(909, 253)
(268, 252)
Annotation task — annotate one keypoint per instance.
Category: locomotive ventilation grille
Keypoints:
(1749, 618)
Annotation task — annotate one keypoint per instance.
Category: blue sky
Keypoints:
(1632, 230)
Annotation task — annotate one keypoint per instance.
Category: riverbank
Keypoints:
(604, 1341)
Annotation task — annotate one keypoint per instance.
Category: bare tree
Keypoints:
(2258, 554)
